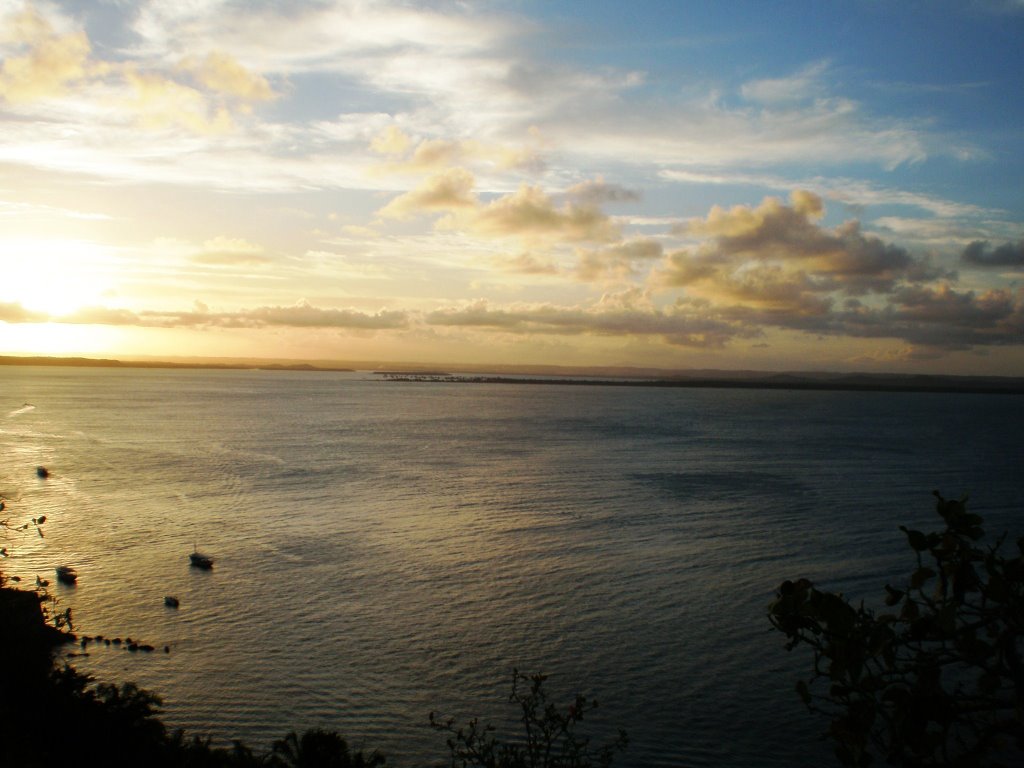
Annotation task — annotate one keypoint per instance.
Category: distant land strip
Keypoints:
(706, 379)
(936, 384)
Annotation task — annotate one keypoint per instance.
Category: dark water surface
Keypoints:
(386, 549)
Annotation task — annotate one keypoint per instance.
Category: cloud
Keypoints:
(49, 64)
(529, 264)
(531, 214)
(306, 316)
(790, 238)
(714, 131)
(528, 213)
(50, 61)
(437, 153)
(391, 141)
(449, 190)
(221, 73)
(616, 262)
(15, 313)
(598, 192)
(115, 317)
(855, 193)
(301, 315)
(683, 324)
(981, 254)
(776, 266)
(230, 250)
(799, 86)
(771, 287)
(944, 318)
(163, 103)
(460, 71)
(432, 154)
(772, 220)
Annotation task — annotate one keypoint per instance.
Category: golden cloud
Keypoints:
(222, 74)
(772, 216)
(616, 262)
(449, 190)
(433, 154)
(51, 62)
(228, 251)
(161, 103)
(391, 141)
(529, 264)
(682, 324)
(300, 315)
(531, 214)
(798, 250)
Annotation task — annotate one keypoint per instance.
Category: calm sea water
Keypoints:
(386, 549)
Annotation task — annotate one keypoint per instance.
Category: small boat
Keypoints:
(199, 560)
(171, 602)
(66, 574)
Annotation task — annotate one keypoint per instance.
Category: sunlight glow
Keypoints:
(60, 339)
(54, 276)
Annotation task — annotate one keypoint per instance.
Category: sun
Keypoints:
(53, 277)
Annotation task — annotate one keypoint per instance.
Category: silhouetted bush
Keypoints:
(937, 678)
(550, 738)
(319, 749)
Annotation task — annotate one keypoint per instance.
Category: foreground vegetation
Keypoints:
(934, 679)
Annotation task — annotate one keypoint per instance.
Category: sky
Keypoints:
(762, 185)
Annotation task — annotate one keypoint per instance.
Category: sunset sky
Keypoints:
(786, 185)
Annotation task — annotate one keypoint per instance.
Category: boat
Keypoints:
(66, 574)
(199, 560)
(171, 602)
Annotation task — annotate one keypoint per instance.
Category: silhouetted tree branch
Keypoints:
(550, 736)
(934, 680)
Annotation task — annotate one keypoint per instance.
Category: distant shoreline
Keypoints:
(939, 385)
(705, 379)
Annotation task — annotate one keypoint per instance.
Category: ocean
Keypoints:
(384, 549)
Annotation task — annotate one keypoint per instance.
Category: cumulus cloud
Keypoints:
(776, 266)
(943, 317)
(980, 253)
(790, 238)
(528, 213)
(449, 190)
(532, 214)
(616, 262)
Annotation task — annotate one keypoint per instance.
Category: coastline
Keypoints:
(938, 385)
(704, 379)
